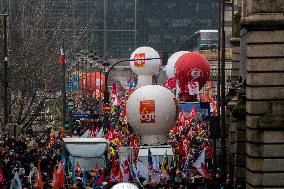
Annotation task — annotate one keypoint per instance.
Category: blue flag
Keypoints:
(84, 180)
(73, 171)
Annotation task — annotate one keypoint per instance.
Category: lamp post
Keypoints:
(106, 93)
(5, 75)
(223, 121)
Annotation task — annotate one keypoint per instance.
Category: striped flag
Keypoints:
(165, 164)
(150, 160)
(62, 56)
(199, 164)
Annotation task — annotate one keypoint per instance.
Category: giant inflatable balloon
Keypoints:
(145, 69)
(151, 111)
(170, 68)
(191, 68)
(124, 186)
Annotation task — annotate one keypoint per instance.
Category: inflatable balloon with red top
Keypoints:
(145, 62)
(192, 71)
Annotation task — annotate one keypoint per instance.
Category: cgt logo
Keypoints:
(147, 111)
(139, 63)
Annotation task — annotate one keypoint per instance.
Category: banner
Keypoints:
(147, 111)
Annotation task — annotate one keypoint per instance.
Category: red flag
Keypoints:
(203, 167)
(96, 168)
(113, 91)
(134, 144)
(62, 132)
(78, 167)
(110, 135)
(179, 126)
(2, 179)
(93, 131)
(192, 114)
(62, 56)
(170, 83)
(97, 130)
(199, 164)
(123, 112)
(60, 172)
(181, 148)
(185, 122)
(39, 176)
(210, 152)
(59, 177)
(115, 171)
(126, 171)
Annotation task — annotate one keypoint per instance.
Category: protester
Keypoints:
(36, 160)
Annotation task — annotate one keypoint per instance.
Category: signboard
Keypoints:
(205, 111)
(106, 108)
(70, 105)
(139, 63)
(81, 116)
(147, 111)
(66, 125)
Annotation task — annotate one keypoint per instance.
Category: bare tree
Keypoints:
(33, 64)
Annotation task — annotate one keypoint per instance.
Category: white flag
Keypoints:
(142, 170)
(86, 134)
(199, 164)
(16, 182)
(193, 88)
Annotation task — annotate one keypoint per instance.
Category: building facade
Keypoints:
(114, 28)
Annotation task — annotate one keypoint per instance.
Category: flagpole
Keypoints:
(63, 89)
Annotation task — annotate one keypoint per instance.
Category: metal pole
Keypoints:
(219, 60)
(218, 81)
(5, 79)
(233, 20)
(63, 92)
(223, 121)
(105, 28)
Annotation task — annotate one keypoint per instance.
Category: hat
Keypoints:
(105, 183)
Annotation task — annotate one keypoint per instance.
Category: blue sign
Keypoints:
(82, 116)
(205, 111)
(187, 106)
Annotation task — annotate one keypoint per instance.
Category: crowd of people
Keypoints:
(38, 160)
(23, 153)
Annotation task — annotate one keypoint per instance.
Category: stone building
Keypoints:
(258, 54)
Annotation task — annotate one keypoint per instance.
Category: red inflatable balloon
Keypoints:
(190, 68)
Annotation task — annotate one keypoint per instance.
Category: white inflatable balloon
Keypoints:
(145, 69)
(170, 68)
(151, 111)
(124, 186)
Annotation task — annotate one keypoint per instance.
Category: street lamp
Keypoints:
(5, 78)
(106, 93)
